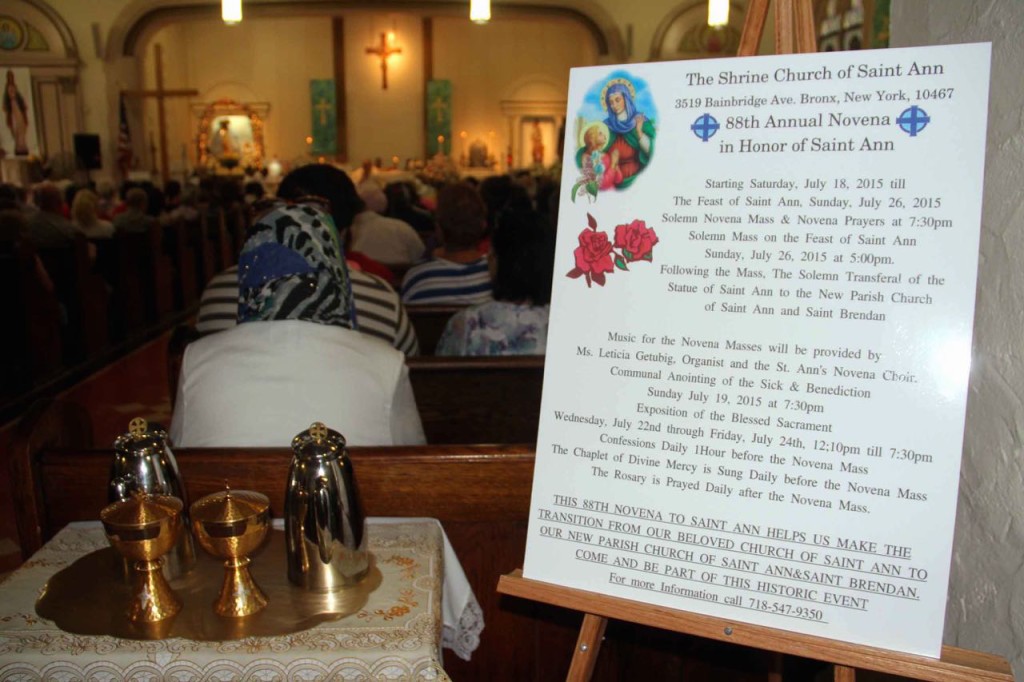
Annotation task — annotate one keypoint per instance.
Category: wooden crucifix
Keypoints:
(160, 94)
(384, 50)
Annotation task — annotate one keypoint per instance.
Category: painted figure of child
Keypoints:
(604, 166)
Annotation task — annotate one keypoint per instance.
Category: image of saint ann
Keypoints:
(16, 115)
(615, 142)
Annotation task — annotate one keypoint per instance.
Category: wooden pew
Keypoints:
(237, 220)
(141, 277)
(184, 259)
(225, 245)
(478, 399)
(160, 278)
(481, 495)
(30, 350)
(461, 400)
(429, 322)
(84, 295)
(202, 248)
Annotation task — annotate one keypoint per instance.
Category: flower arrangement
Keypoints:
(596, 255)
(439, 170)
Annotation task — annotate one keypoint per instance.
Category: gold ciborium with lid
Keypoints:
(231, 525)
(143, 462)
(143, 529)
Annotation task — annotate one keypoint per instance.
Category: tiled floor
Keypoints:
(132, 386)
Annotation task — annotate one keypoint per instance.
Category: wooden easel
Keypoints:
(794, 33)
(955, 665)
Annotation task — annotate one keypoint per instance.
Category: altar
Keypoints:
(420, 604)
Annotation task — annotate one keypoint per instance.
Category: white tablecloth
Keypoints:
(396, 636)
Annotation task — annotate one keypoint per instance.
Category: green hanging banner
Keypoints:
(325, 127)
(439, 117)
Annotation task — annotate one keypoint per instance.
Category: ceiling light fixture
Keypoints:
(231, 11)
(480, 11)
(718, 12)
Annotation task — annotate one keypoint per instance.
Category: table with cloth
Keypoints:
(423, 602)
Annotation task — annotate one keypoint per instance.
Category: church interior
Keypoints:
(204, 114)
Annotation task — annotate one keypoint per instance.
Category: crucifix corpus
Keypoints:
(384, 50)
(160, 94)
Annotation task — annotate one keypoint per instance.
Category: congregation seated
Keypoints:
(106, 195)
(516, 321)
(379, 311)
(179, 203)
(294, 356)
(134, 219)
(84, 212)
(390, 241)
(47, 227)
(402, 205)
(457, 274)
(182, 205)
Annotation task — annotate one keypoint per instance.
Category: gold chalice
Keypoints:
(231, 525)
(143, 529)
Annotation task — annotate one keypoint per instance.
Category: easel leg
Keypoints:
(842, 673)
(587, 647)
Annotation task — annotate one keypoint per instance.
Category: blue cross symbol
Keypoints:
(913, 120)
(705, 127)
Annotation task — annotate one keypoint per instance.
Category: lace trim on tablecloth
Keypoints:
(465, 638)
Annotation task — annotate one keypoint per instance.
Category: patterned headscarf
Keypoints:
(292, 268)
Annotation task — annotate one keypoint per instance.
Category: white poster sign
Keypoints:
(18, 134)
(760, 338)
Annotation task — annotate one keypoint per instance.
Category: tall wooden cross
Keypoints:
(160, 94)
(384, 50)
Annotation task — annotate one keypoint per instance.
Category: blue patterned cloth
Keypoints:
(496, 328)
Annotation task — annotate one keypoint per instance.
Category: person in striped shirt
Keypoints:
(379, 311)
(458, 274)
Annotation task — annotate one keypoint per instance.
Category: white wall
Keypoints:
(986, 597)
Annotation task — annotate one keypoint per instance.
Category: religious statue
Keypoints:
(224, 143)
(538, 144)
(16, 115)
(478, 154)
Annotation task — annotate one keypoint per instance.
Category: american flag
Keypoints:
(124, 142)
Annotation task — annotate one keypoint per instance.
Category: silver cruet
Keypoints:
(325, 530)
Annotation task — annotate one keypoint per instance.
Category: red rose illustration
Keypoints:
(596, 256)
(593, 255)
(636, 240)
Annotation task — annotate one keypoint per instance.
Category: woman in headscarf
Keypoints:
(632, 133)
(295, 357)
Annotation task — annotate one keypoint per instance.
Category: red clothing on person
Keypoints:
(629, 164)
(367, 264)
